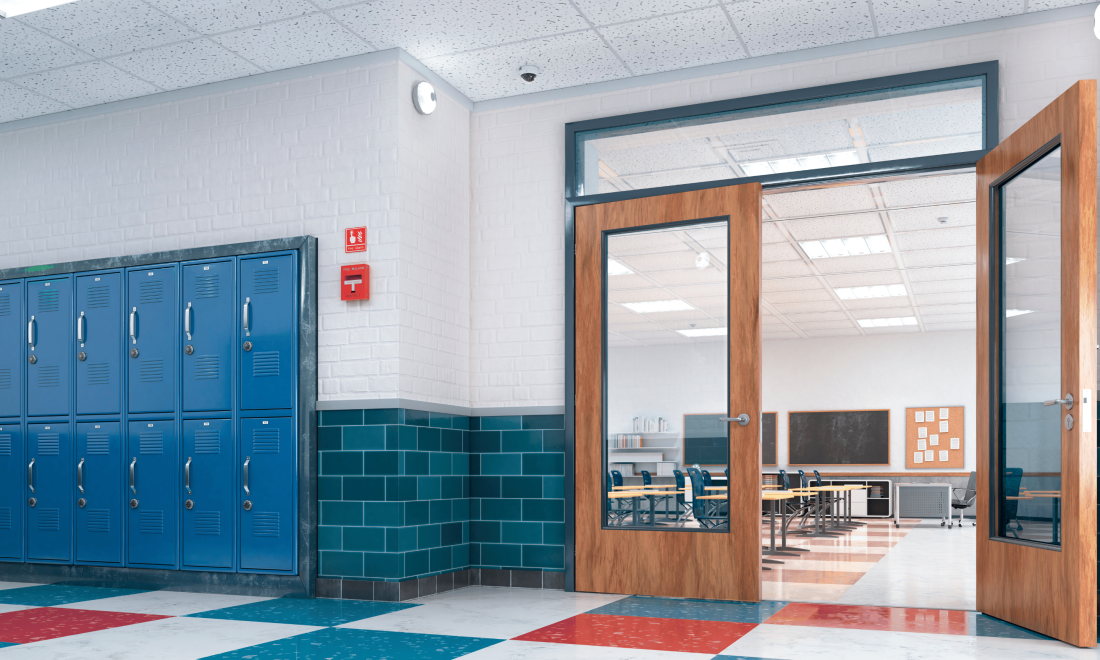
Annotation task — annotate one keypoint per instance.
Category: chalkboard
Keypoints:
(706, 440)
(839, 437)
(767, 437)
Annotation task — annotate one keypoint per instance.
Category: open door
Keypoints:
(668, 378)
(1037, 353)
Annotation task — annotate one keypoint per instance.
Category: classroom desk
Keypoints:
(716, 487)
(772, 497)
(713, 501)
(817, 491)
(665, 486)
(1055, 513)
(634, 495)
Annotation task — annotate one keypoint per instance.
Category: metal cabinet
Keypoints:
(99, 493)
(12, 489)
(151, 339)
(48, 499)
(267, 332)
(209, 478)
(98, 347)
(207, 311)
(49, 343)
(12, 340)
(152, 464)
(268, 494)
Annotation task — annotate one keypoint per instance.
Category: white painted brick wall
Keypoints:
(518, 166)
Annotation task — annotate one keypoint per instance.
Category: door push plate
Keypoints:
(82, 356)
(133, 504)
(247, 346)
(133, 352)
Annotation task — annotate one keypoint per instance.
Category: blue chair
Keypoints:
(616, 513)
(1011, 488)
(682, 507)
(646, 478)
(707, 519)
(707, 481)
(727, 476)
(616, 478)
(817, 475)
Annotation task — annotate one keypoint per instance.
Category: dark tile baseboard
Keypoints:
(427, 586)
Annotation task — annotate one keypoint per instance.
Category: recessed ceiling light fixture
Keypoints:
(880, 291)
(616, 268)
(885, 323)
(1009, 313)
(654, 306)
(846, 247)
(704, 332)
(13, 8)
(818, 161)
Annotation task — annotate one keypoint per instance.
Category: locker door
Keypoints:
(98, 342)
(12, 487)
(207, 309)
(268, 320)
(150, 346)
(49, 493)
(49, 335)
(209, 477)
(152, 464)
(13, 338)
(268, 494)
(99, 504)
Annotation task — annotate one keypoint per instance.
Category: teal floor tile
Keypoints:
(49, 595)
(305, 612)
(350, 644)
(3, 644)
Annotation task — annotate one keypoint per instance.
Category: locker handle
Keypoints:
(30, 475)
(31, 327)
(80, 476)
(80, 323)
(246, 460)
(132, 464)
(133, 325)
(247, 314)
(187, 475)
(187, 321)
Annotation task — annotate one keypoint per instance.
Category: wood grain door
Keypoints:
(1036, 236)
(666, 561)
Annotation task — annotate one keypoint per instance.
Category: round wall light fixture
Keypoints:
(424, 97)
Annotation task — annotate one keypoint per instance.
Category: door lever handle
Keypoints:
(741, 419)
(187, 475)
(132, 464)
(30, 475)
(246, 460)
(80, 476)
(1067, 402)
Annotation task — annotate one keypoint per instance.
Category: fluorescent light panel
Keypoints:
(815, 162)
(654, 306)
(13, 8)
(855, 246)
(616, 268)
(704, 332)
(880, 291)
(885, 323)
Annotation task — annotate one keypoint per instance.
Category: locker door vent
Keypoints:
(48, 301)
(151, 371)
(49, 444)
(208, 442)
(265, 280)
(207, 286)
(99, 520)
(151, 292)
(265, 523)
(151, 442)
(265, 364)
(5, 304)
(5, 517)
(5, 379)
(5, 444)
(99, 444)
(208, 523)
(49, 375)
(207, 367)
(151, 522)
(99, 373)
(99, 296)
(265, 441)
(49, 520)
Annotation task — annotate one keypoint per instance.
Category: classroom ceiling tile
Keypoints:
(825, 325)
(833, 332)
(108, 27)
(852, 264)
(958, 215)
(777, 26)
(639, 295)
(929, 190)
(628, 283)
(940, 310)
(678, 177)
(881, 303)
(937, 238)
(791, 284)
(891, 329)
(810, 306)
(694, 291)
(943, 327)
(647, 242)
(784, 139)
(768, 319)
(675, 41)
(839, 199)
(930, 127)
(948, 318)
(185, 64)
(25, 50)
(943, 286)
(293, 42)
(211, 16)
(693, 276)
(710, 302)
(1043, 5)
(883, 312)
(864, 279)
(786, 269)
(17, 103)
(968, 272)
(897, 16)
(780, 252)
(772, 234)
(785, 334)
(603, 12)
(812, 229)
(958, 144)
(797, 296)
(659, 157)
(940, 257)
(661, 261)
(957, 297)
(711, 235)
(817, 316)
(90, 83)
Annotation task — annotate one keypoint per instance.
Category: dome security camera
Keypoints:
(528, 72)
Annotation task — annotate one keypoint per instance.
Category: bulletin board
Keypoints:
(927, 431)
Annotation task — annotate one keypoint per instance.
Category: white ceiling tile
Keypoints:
(937, 238)
(23, 50)
(787, 309)
(602, 12)
(883, 313)
(772, 234)
(892, 329)
(565, 60)
(944, 286)
(825, 325)
(211, 16)
(817, 316)
(780, 252)
(333, 4)
(833, 332)
(676, 41)
(18, 103)
(679, 177)
(940, 310)
(864, 279)
(781, 334)
(786, 269)
(929, 190)
(786, 139)
(294, 42)
(957, 297)
(108, 27)
(881, 303)
(660, 157)
(86, 84)
(897, 16)
(701, 291)
(688, 277)
(942, 273)
(651, 263)
(942, 327)
(840, 199)
(710, 303)
(791, 284)
(184, 64)
(779, 297)
(776, 26)
(430, 28)
(766, 319)
(952, 145)
(812, 229)
(640, 295)
(1043, 5)
(949, 318)
(958, 215)
(851, 264)
(940, 257)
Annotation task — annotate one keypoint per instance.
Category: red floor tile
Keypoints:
(859, 617)
(783, 574)
(37, 624)
(632, 632)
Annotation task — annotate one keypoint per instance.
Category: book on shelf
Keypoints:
(626, 441)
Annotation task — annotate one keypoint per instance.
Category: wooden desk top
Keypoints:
(717, 487)
(778, 495)
(712, 497)
(770, 486)
(640, 493)
(637, 487)
(1010, 497)
(1034, 494)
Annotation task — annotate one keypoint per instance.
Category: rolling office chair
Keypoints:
(963, 502)
(1011, 485)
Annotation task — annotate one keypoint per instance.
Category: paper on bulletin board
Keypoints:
(944, 413)
(918, 457)
(919, 416)
(922, 432)
(934, 439)
(929, 455)
(943, 427)
(954, 443)
(929, 415)
(921, 444)
(943, 455)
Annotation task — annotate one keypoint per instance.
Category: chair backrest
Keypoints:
(786, 481)
(802, 479)
(1012, 479)
(706, 478)
(616, 478)
(697, 490)
(817, 475)
(727, 476)
(646, 479)
(680, 484)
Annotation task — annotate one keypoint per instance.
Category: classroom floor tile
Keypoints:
(40, 623)
(520, 650)
(702, 610)
(642, 633)
(169, 603)
(308, 612)
(863, 617)
(49, 595)
(348, 644)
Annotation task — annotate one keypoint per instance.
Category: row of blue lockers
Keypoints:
(147, 416)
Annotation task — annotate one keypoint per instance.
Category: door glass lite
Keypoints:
(1034, 408)
(666, 446)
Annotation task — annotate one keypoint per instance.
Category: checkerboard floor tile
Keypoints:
(316, 612)
(348, 644)
(39, 623)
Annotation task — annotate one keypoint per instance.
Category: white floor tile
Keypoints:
(17, 585)
(13, 608)
(804, 592)
(514, 650)
(169, 603)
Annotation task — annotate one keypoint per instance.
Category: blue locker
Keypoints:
(208, 480)
(267, 335)
(12, 338)
(152, 462)
(99, 492)
(49, 493)
(98, 352)
(207, 310)
(12, 489)
(268, 493)
(151, 339)
(49, 339)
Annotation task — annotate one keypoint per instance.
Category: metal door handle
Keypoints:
(80, 476)
(1067, 402)
(80, 322)
(741, 419)
(187, 321)
(246, 460)
(133, 325)
(247, 317)
(31, 327)
(132, 464)
(30, 475)
(187, 475)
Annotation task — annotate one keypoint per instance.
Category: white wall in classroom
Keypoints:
(935, 369)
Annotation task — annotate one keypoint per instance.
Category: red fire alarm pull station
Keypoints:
(355, 282)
